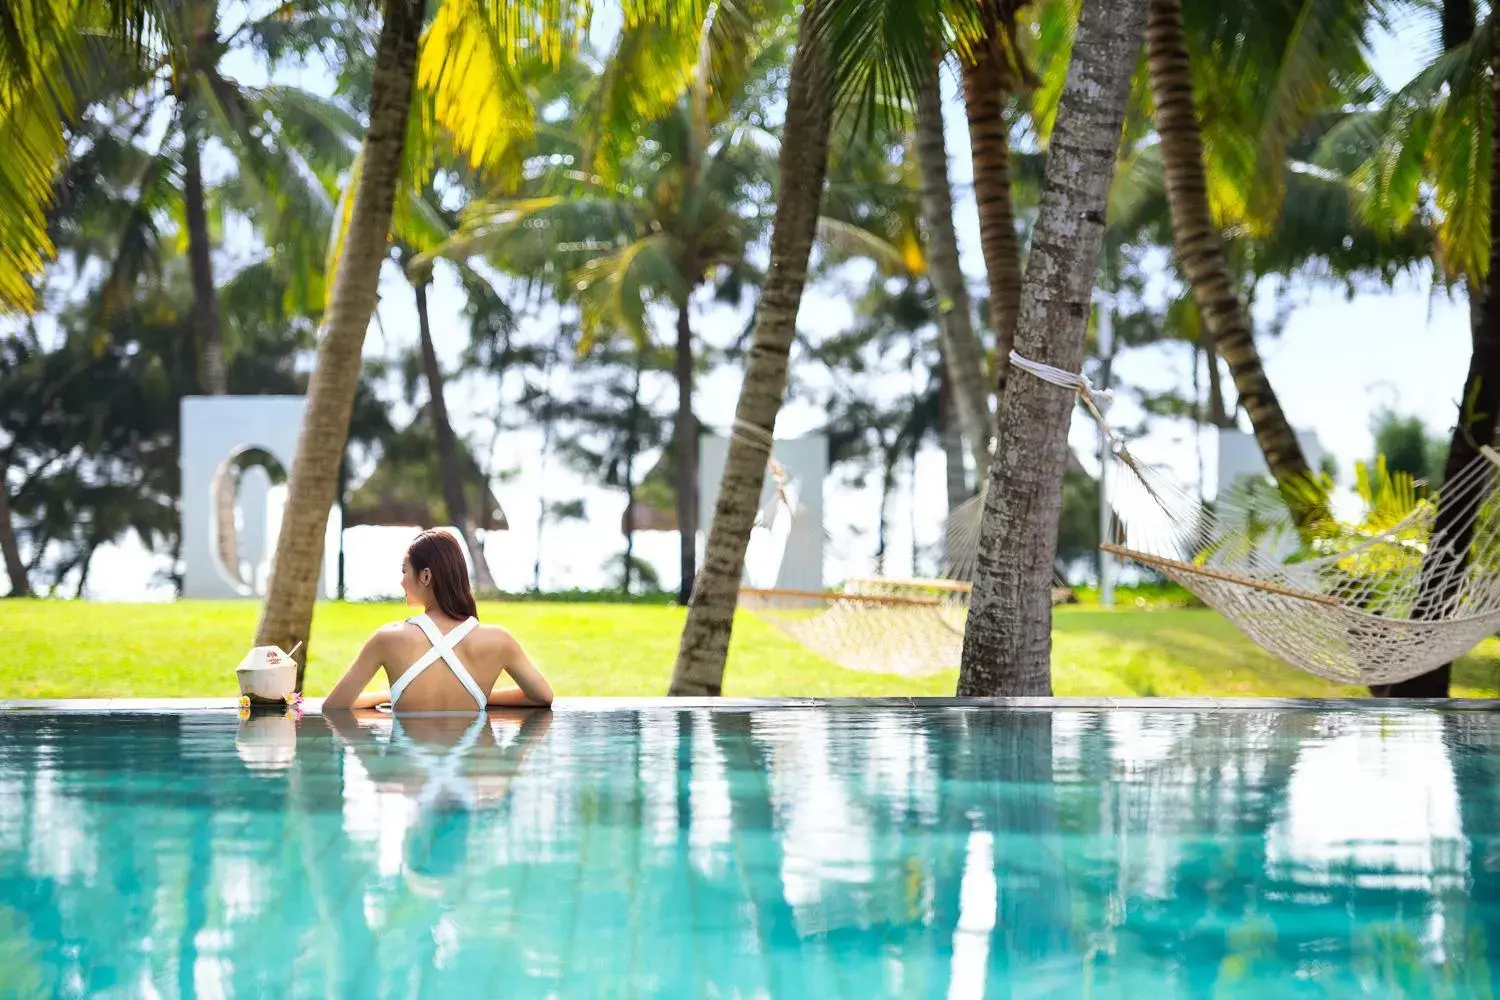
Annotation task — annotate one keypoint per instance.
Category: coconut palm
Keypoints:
(1007, 639)
(659, 219)
(1415, 175)
(995, 69)
(803, 163)
(850, 54)
(286, 618)
(962, 352)
(473, 97)
(1315, 48)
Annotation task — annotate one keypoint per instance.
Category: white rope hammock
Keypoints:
(912, 627)
(1372, 602)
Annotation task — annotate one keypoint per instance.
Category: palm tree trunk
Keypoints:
(1008, 639)
(287, 616)
(206, 324)
(963, 353)
(209, 333)
(450, 470)
(1478, 420)
(1218, 413)
(10, 549)
(803, 166)
(952, 443)
(632, 446)
(687, 457)
(889, 455)
(1200, 249)
(989, 146)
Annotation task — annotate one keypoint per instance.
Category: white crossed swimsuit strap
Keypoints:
(444, 771)
(442, 647)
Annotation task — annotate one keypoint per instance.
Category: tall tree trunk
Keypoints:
(952, 441)
(1218, 414)
(209, 333)
(1200, 248)
(450, 467)
(286, 618)
(989, 146)
(632, 446)
(889, 456)
(1478, 420)
(803, 167)
(687, 457)
(206, 323)
(15, 569)
(1008, 639)
(83, 568)
(962, 352)
(1451, 533)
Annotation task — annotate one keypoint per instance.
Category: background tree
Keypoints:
(1007, 641)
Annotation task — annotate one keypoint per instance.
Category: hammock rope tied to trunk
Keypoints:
(1377, 602)
(1374, 602)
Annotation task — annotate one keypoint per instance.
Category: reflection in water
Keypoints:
(838, 852)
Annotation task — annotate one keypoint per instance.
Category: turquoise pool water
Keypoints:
(784, 852)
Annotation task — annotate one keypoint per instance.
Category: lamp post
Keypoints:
(1105, 303)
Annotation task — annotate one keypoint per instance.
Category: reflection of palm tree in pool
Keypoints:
(1472, 748)
(752, 820)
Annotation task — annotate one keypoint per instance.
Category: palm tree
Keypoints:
(1199, 248)
(1445, 105)
(474, 97)
(962, 352)
(450, 468)
(286, 618)
(993, 70)
(803, 164)
(659, 218)
(1007, 640)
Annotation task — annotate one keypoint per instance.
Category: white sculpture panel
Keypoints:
(786, 549)
(236, 447)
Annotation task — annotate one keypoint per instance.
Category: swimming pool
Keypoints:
(820, 851)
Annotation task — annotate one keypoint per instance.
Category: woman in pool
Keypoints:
(441, 660)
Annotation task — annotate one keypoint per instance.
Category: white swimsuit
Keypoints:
(442, 648)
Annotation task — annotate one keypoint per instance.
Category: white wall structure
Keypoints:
(1240, 456)
(787, 551)
(216, 430)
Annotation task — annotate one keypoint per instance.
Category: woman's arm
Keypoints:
(532, 689)
(347, 693)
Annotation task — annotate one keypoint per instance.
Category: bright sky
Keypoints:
(1336, 363)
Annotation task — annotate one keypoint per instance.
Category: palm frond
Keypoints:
(850, 240)
(1324, 56)
(614, 289)
(880, 51)
(468, 68)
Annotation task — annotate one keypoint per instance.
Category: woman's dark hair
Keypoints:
(440, 552)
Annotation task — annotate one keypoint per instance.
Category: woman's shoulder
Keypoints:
(493, 634)
(392, 629)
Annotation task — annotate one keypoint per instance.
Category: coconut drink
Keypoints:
(268, 675)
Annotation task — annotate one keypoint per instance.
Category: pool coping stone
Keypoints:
(599, 704)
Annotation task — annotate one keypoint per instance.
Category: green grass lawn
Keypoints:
(57, 649)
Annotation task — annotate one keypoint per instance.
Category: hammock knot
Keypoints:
(1077, 381)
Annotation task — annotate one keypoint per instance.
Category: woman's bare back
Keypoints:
(484, 652)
